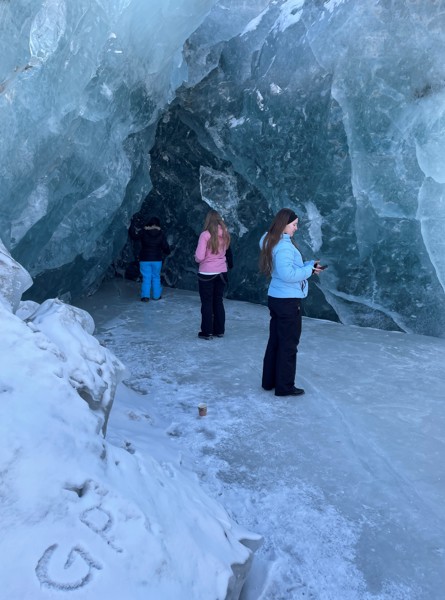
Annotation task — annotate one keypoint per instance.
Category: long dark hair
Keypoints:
(273, 236)
(211, 223)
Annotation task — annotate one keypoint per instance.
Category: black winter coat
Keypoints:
(154, 244)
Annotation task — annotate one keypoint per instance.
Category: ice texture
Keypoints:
(81, 85)
(336, 109)
(14, 280)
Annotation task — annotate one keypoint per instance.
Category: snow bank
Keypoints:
(79, 514)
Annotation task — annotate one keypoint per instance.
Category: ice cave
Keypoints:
(112, 111)
(334, 108)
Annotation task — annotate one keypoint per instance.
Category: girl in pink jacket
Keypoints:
(214, 257)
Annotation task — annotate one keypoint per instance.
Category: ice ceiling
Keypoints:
(334, 108)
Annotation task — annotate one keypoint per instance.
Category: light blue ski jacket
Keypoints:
(289, 273)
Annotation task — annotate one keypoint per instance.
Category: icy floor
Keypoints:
(346, 484)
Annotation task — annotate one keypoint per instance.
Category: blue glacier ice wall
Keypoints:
(335, 108)
(81, 87)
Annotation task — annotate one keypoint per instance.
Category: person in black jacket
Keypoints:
(154, 246)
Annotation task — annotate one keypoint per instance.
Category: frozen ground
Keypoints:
(346, 484)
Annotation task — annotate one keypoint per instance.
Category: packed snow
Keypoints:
(345, 484)
(339, 492)
(90, 516)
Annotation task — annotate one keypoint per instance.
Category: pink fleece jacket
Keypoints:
(208, 262)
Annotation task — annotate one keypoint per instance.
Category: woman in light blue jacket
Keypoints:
(281, 260)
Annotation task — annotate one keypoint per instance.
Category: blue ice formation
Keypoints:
(335, 108)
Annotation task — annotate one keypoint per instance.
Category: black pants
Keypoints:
(280, 359)
(213, 315)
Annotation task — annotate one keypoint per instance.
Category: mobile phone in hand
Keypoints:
(322, 267)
